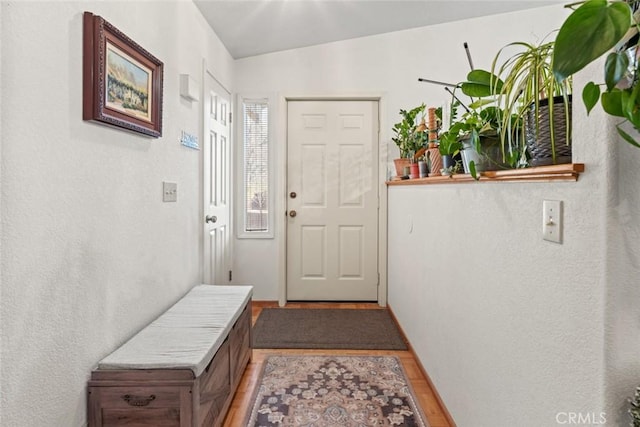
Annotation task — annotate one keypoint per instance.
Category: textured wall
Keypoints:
(388, 65)
(622, 345)
(510, 327)
(90, 254)
(514, 330)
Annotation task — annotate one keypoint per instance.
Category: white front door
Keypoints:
(332, 200)
(216, 174)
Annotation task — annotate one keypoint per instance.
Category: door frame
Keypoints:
(281, 185)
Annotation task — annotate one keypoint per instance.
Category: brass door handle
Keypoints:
(292, 214)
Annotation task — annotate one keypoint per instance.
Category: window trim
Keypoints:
(241, 205)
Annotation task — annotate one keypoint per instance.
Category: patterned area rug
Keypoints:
(331, 391)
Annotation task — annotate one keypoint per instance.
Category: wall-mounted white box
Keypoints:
(189, 88)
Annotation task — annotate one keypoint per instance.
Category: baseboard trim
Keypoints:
(445, 411)
(265, 303)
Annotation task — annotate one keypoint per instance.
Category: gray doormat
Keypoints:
(368, 329)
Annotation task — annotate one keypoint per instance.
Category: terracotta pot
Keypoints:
(415, 171)
(400, 165)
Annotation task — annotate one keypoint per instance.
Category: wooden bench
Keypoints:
(182, 369)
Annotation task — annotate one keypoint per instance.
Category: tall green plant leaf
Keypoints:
(612, 102)
(477, 105)
(590, 31)
(481, 83)
(473, 171)
(630, 107)
(614, 68)
(590, 95)
(627, 137)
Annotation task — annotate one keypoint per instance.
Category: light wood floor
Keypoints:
(242, 400)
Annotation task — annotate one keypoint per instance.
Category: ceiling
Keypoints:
(254, 27)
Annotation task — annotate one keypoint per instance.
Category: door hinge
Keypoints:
(231, 275)
(230, 117)
(378, 279)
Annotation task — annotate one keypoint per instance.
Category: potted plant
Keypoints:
(410, 136)
(531, 95)
(476, 133)
(449, 147)
(594, 28)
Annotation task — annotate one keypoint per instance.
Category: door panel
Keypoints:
(313, 252)
(351, 252)
(332, 241)
(216, 172)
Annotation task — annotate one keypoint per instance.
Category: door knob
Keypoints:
(293, 195)
(292, 214)
(211, 218)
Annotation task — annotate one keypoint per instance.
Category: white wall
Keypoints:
(90, 254)
(388, 65)
(622, 294)
(509, 327)
(512, 329)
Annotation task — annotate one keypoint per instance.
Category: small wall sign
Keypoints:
(189, 140)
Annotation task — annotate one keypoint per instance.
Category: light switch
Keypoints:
(169, 192)
(552, 220)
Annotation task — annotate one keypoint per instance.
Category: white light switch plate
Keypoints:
(552, 220)
(169, 192)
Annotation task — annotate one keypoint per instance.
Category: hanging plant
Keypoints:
(594, 28)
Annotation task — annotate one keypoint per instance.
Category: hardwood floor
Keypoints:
(242, 400)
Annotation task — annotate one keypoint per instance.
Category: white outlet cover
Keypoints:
(169, 192)
(552, 220)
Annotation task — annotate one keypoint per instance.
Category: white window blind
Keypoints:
(256, 165)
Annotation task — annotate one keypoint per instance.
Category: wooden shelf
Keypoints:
(566, 172)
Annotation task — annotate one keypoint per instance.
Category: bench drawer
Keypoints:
(162, 406)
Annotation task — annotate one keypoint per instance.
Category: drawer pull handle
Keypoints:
(138, 400)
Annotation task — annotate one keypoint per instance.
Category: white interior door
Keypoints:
(332, 201)
(216, 174)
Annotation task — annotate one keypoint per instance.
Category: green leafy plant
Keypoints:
(452, 170)
(594, 28)
(479, 125)
(449, 144)
(528, 79)
(408, 137)
(634, 410)
(481, 117)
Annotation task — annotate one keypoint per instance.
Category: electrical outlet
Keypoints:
(552, 220)
(169, 192)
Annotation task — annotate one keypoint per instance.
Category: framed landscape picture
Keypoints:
(122, 82)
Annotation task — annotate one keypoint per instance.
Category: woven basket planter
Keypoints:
(538, 138)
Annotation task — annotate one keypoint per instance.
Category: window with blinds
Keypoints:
(256, 165)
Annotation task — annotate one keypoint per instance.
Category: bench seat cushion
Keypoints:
(187, 335)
